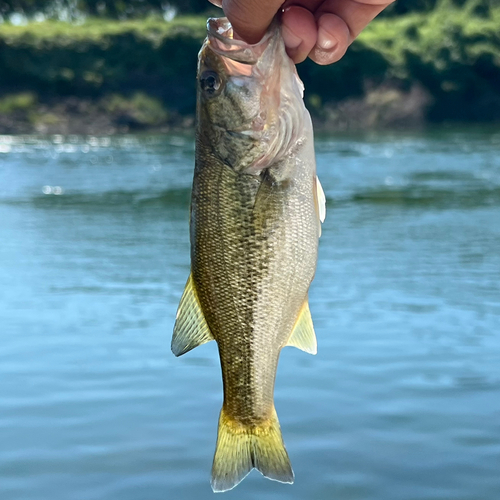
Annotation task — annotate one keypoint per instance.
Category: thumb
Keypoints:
(251, 18)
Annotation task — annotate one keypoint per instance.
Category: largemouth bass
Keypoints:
(256, 213)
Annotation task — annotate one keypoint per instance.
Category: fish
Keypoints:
(255, 221)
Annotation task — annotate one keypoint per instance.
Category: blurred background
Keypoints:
(87, 66)
(402, 400)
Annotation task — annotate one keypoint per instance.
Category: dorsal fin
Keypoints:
(190, 329)
(303, 336)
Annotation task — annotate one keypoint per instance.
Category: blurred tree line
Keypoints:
(125, 62)
(114, 9)
(121, 9)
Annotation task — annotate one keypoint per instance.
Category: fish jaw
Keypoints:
(257, 113)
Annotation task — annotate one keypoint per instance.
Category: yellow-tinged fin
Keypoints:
(303, 336)
(320, 202)
(241, 448)
(190, 329)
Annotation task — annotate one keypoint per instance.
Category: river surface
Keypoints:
(402, 401)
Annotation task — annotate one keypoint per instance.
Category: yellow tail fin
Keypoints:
(241, 448)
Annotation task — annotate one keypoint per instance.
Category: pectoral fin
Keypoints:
(190, 329)
(303, 336)
(320, 203)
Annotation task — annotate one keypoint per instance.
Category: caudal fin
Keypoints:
(241, 448)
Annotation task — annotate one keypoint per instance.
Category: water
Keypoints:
(402, 400)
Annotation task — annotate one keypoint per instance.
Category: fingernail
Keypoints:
(322, 57)
(292, 41)
(326, 40)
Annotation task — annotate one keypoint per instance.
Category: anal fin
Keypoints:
(303, 336)
(191, 328)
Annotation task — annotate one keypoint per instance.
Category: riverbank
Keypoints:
(106, 76)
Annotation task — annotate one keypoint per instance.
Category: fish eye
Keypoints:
(210, 82)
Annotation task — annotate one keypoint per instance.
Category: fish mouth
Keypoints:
(222, 41)
(273, 119)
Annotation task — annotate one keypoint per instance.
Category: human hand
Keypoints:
(320, 29)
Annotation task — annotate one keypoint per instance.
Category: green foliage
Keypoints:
(126, 9)
(115, 9)
(403, 7)
(31, 6)
(102, 57)
(20, 102)
(452, 53)
(139, 110)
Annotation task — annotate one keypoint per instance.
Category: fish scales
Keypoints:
(254, 231)
(239, 251)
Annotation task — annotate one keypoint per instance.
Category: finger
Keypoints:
(339, 23)
(299, 31)
(355, 13)
(251, 18)
(333, 39)
(310, 5)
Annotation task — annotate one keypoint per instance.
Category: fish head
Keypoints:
(250, 108)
